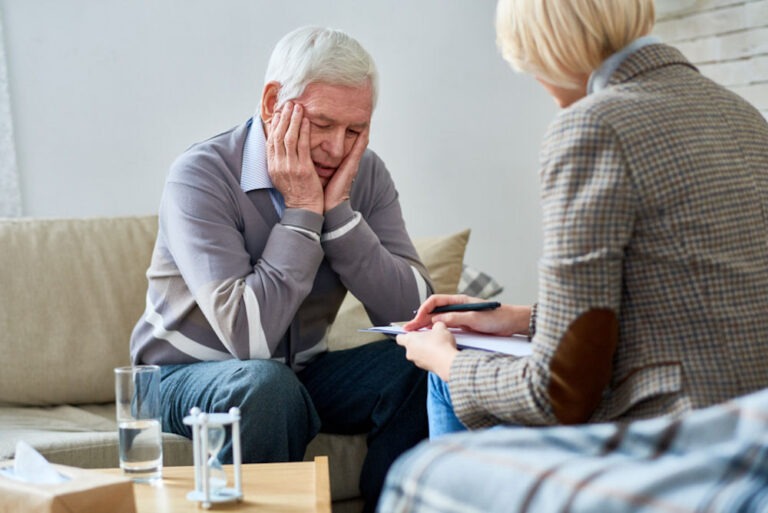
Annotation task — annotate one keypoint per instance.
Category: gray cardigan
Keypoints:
(228, 279)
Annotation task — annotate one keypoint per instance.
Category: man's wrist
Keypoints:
(303, 221)
(307, 233)
(309, 207)
(339, 221)
(330, 205)
(342, 230)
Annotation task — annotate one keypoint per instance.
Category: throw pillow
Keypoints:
(476, 283)
(72, 292)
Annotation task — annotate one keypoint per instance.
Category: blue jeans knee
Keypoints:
(278, 418)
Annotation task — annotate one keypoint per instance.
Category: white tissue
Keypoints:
(31, 467)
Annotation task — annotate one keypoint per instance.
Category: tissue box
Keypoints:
(86, 491)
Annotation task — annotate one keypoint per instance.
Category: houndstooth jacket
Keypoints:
(653, 284)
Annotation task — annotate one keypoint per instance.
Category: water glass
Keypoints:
(137, 396)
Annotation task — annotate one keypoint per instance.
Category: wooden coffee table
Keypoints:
(267, 487)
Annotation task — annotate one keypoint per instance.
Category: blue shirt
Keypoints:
(598, 80)
(255, 173)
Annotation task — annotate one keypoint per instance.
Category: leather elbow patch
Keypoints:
(582, 364)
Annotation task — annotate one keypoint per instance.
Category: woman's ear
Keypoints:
(269, 101)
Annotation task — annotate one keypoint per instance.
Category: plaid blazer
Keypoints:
(655, 209)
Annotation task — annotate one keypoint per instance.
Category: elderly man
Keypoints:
(263, 230)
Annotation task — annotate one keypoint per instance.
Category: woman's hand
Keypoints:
(424, 317)
(432, 350)
(505, 321)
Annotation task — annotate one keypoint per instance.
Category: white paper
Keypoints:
(31, 467)
(517, 345)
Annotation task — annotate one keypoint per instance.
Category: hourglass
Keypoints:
(216, 475)
(208, 434)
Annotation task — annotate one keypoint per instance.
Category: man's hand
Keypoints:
(337, 189)
(289, 162)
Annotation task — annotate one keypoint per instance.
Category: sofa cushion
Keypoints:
(346, 454)
(72, 292)
(83, 436)
(78, 287)
(443, 256)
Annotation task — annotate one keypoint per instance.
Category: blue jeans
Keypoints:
(370, 389)
(442, 419)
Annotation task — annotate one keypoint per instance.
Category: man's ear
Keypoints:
(269, 100)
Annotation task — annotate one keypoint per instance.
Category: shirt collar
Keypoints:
(598, 80)
(254, 174)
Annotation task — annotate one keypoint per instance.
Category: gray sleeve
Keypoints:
(366, 243)
(203, 228)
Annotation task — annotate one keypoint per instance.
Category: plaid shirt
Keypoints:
(710, 460)
(655, 207)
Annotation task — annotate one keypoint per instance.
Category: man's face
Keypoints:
(337, 114)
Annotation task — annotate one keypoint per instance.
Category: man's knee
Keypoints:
(252, 384)
(277, 414)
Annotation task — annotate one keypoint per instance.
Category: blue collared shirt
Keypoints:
(598, 80)
(254, 173)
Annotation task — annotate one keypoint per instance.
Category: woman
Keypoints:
(652, 294)
(653, 279)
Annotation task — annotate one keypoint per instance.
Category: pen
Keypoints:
(467, 307)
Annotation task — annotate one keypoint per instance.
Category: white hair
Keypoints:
(316, 54)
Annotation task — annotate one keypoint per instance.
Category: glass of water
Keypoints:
(137, 396)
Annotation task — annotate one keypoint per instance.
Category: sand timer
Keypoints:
(208, 435)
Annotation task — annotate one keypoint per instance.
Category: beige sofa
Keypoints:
(70, 293)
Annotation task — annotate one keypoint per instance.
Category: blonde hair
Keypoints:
(558, 40)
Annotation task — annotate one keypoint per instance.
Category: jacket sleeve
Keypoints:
(588, 210)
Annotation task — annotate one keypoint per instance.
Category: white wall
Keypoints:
(10, 196)
(106, 93)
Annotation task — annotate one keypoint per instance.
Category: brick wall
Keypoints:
(726, 39)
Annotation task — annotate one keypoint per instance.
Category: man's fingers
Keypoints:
(278, 134)
(361, 143)
(291, 138)
(272, 139)
(304, 153)
(349, 166)
(352, 161)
